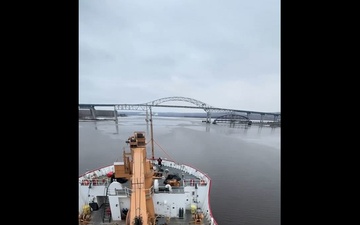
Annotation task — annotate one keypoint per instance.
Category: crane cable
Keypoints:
(163, 151)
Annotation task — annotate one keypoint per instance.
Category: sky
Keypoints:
(225, 53)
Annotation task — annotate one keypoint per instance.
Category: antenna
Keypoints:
(152, 137)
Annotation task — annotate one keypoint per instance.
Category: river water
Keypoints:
(242, 161)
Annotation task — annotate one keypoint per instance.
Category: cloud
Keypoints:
(226, 54)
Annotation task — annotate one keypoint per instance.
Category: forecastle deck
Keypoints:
(171, 202)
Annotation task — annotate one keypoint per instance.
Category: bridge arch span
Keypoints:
(178, 98)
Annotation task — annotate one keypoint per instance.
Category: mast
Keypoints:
(152, 137)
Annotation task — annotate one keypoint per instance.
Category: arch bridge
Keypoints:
(158, 103)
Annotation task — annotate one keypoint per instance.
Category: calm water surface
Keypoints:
(243, 162)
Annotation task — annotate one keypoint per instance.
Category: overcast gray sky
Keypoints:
(225, 53)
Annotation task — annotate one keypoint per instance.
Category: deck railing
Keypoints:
(192, 182)
(95, 182)
(127, 192)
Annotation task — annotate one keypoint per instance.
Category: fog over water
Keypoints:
(243, 162)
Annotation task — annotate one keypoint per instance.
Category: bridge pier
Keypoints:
(93, 112)
(208, 117)
(115, 115)
(276, 118)
(262, 118)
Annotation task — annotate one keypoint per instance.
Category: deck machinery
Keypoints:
(140, 171)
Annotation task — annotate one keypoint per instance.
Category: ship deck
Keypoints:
(98, 217)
